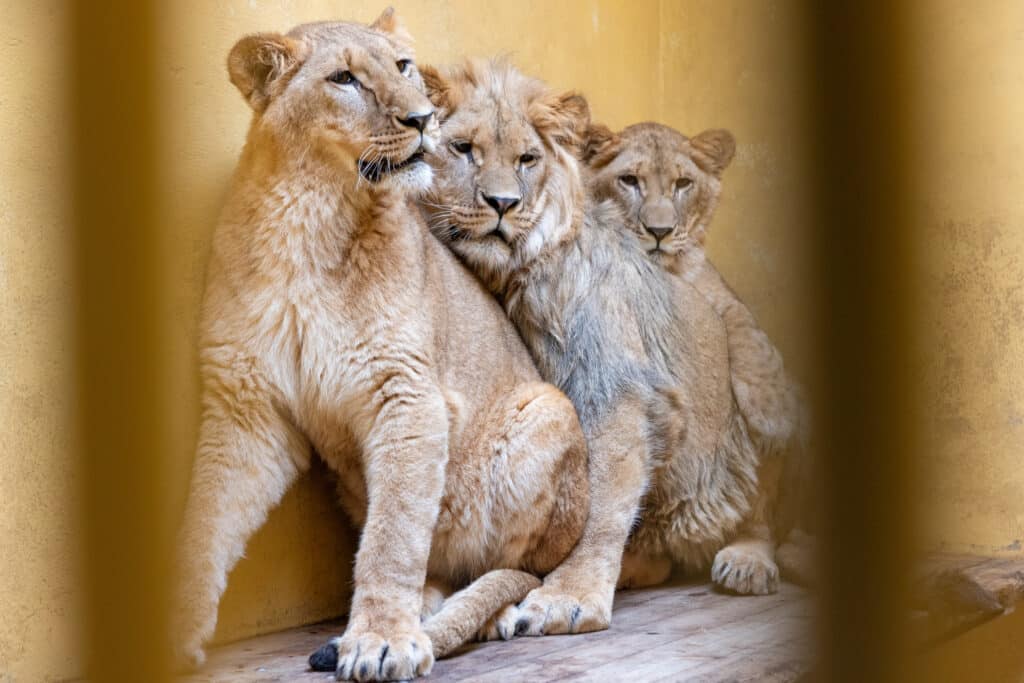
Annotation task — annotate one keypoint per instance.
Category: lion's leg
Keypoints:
(405, 453)
(747, 565)
(641, 570)
(577, 596)
(247, 457)
(539, 500)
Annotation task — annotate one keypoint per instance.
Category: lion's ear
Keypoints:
(600, 145)
(715, 149)
(388, 22)
(260, 66)
(438, 89)
(563, 118)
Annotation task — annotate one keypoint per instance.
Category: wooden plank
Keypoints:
(956, 593)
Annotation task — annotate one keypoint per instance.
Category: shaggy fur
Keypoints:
(662, 179)
(641, 354)
(333, 320)
(667, 186)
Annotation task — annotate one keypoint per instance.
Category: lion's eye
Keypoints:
(404, 66)
(683, 183)
(343, 77)
(629, 180)
(527, 159)
(462, 147)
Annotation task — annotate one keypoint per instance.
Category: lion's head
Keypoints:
(346, 94)
(506, 169)
(666, 184)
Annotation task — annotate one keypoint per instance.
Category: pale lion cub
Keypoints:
(332, 320)
(642, 355)
(668, 186)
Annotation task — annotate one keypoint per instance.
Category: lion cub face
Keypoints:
(343, 93)
(504, 166)
(666, 184)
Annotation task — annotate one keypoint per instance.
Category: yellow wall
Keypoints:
(969, 89)
(39, 604)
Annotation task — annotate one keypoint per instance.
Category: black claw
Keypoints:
(380, 664)
(522, 626)
(324, 659)
(364, 671)
(577, 611)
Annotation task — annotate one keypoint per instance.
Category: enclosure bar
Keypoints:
(119, 349)
(857, 70)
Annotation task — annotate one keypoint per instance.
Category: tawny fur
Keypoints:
(333, 320)
(667, 186)
(641, 354)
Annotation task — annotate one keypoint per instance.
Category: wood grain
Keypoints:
(682, 631)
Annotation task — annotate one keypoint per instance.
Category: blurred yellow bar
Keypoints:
(120, 349)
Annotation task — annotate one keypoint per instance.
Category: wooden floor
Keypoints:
(683, 631)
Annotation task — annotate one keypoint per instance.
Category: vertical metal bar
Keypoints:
(119, 347)
(857, 67)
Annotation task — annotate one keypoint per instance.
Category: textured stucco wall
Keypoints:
(38, 544)
(968, 93)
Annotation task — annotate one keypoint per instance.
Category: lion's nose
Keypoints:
(417, 121)
(501, 204)
(658, 232)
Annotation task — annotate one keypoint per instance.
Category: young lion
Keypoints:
(333, 320)
(640, 353)
(667, 186)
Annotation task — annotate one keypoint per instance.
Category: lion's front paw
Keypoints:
(369, 656)
(548, 611)
(745, 571)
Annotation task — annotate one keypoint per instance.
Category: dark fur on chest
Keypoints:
(599, 319)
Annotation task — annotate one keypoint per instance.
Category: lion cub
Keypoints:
(333, 320)
(668, 186)
(641, 354)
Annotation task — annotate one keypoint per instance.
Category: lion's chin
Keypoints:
(660, 255)
(414, 178)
